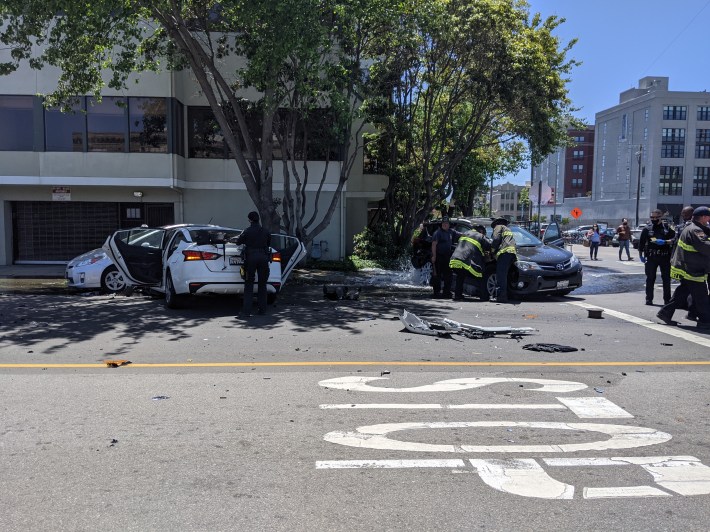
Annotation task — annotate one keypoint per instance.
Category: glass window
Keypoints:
(673, 142)
(701, 181)
(578, 153)
(674, 112)
(704, 112)
(148, 121)
(205, 139)
(178, 128)
(65, 131)
(577, 168)
(16, 121)
(106, 124)
(671, 181)
(702, 143)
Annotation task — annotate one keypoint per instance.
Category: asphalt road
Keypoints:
(221, 424)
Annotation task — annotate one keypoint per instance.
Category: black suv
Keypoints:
(542, 266)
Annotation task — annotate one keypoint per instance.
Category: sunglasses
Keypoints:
(655, 218)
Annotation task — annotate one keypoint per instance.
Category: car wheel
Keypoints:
(491, 285)
(172, 300)
(112, 280)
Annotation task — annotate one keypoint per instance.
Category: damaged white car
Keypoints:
(184, 260)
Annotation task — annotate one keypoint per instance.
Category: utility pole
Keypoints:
(639, 154)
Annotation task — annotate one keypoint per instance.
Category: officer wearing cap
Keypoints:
(257, 246)
(655, 248)
(504, 252)
(690, 264)
(442, 244)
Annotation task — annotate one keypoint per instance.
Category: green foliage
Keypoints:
(565, 221)
(376, 244)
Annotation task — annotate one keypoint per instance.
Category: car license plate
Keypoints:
(562, 284)
(236, 261)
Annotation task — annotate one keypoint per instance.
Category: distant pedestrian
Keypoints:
(469, 260)
(257, 244)
(504, 249)
(690, 265)
(655, 248)
(442, 245)
(624, 232)
(594, 240)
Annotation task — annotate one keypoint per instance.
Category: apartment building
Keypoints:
(150, 155)
(506, 202)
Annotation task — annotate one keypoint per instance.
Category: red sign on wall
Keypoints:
(576, 212)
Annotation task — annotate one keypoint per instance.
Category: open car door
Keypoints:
(292, 251)
(138, 254)
(553, 236)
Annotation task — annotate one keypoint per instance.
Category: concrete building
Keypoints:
(652, 150)
(69, 180)
(506, 202)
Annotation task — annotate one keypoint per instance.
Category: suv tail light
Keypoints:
(199, 255)
(276, 257)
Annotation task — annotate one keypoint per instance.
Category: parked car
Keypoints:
(607, 236)
(184, 260)
(94, 269)
(542, 267)
(635, 237)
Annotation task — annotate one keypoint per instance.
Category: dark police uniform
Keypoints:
(469, 259)
(444, 239)
(257, 242)
(657, 255)
(505, 254)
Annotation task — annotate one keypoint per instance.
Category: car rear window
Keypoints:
(203, 237)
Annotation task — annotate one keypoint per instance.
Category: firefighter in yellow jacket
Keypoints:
(690, 264)
(469, 259)
(504, 252)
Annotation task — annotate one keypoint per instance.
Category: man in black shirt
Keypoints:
(655, 247)
(257, 244)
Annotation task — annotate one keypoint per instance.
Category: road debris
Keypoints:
(446, 327)
(159, 397)
(550, 348)
(337, 292)
(116, 363)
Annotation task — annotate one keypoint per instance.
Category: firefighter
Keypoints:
(504, 251)
(469, 259)
(655, 247)
(690, 265)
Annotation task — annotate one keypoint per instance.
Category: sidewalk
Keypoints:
(33, 271)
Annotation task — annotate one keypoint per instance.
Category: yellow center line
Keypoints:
(363, 363)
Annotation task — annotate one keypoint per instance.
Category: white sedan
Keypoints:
(94, 269)
(184, 260)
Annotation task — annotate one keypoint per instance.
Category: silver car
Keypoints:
(94, 269)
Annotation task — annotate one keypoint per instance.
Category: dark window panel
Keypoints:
(205, 139)
(106, 124)
(148, 124)
(65, 131)
(701, 181)
(16, 123)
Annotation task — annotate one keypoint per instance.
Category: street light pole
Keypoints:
(554, 206)
(639, 154)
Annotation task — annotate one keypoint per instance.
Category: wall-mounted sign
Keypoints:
(576, 212)
(61, 194)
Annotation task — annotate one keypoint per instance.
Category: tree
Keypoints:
(300, 57)
(459, 78)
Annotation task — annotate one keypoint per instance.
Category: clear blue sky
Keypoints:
(622, 41)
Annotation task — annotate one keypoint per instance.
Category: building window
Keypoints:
(702, 143)
(671, 181)
(65, 131)
(16, 120)
(701, 181)
(674, 112)
(106, 124)
(579, 139)
(673, 142)
(624, 126)
(133, 213)
(148, 119)
(576, 182)
(645, 115)
(577, 154)
(577, 168)
(703, 112)
(205, 139)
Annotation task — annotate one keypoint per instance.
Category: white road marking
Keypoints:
(524, 477)
(359, 384)
(663, 328)
(623, 491)
(387, 464)
(594, 408)
(434, 406)
(375, 437)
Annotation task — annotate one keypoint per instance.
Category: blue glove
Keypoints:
(660, 242)
(643, 260)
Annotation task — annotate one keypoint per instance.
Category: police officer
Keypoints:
(504, 251)
(691, 264)
(469, 260)
(442, 244)
(257, 244)
(655, 247)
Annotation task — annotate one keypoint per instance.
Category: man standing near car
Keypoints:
(505, 253)
(469, 258)
(257, 249)
(655, 247)
(624, 232)
(442, 243)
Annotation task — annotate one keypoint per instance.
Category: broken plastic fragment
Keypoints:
(116, 363)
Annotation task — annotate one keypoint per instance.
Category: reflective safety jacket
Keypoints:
(691, 258)
(470, 253)
(503, 241)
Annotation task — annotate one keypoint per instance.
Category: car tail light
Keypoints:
(199, 255)
(276, 257)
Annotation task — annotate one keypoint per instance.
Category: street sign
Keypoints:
(576, 212)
